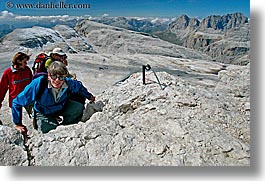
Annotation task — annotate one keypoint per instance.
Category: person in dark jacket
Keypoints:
(53, 102)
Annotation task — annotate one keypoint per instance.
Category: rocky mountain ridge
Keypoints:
(9, 25)
(45, 39)
(225, 38)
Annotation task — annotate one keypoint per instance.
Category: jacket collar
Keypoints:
(13, 69)
(63, 86)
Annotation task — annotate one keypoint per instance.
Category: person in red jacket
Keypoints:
(15, 78)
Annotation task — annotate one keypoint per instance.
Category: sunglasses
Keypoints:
(60, 77)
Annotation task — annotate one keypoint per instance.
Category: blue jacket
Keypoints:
(46, 103)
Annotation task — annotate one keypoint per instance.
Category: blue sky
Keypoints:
(139, 8)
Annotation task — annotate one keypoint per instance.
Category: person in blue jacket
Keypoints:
(53, 102)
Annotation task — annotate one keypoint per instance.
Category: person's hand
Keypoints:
(22, 129)
(93, 99)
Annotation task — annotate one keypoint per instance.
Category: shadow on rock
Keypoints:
(92, 108)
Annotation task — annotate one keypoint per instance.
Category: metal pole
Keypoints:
(144, 74)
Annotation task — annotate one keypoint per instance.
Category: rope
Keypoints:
(148, 67)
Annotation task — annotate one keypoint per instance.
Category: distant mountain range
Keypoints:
(224, 38)
(42, 21)
(146, 25)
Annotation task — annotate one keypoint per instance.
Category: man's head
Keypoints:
(59, 55)
(57, 72)
(58, 51)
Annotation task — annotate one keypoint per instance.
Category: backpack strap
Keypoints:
(39, 74)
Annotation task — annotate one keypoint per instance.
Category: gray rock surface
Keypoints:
(71, 37)
(203, 123)
(113, 40)
(12, 151)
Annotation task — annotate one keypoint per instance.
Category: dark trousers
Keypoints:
(72, 113)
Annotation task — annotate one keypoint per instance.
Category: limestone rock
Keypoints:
(11, 148)
(143, 125)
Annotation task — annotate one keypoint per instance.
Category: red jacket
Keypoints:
(14, 81)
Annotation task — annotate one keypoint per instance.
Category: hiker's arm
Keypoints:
(16, 113)
(77, 86)
(24, 98)
(4, 87)
(84, 92)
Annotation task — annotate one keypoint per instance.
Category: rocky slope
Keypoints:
(203, 123)
(113, 40)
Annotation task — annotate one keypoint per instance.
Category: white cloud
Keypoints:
(105, 15)
(6, 14)
(160, 20)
